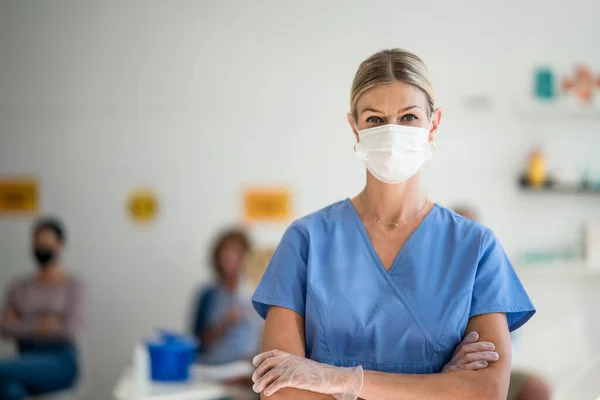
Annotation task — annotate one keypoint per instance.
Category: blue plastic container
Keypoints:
(171, 357)
(184, 340)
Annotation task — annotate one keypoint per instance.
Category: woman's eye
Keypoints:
(409, 118)
(374, 120)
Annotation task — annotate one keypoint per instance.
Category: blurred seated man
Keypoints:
(224, 319)
(42, 313)
(523, 385)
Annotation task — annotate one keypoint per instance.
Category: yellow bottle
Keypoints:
(536, 170)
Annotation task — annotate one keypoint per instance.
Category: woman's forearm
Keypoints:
(296, 394)
(285, 329)
(463, 385)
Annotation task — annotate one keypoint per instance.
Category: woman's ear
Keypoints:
(353, 125)
(436, 118)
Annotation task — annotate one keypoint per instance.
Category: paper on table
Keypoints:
(223, 372)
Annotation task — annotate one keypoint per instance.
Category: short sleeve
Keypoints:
(284, 281)
(497, 287)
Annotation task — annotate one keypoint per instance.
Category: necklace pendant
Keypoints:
(388, 225)
(385, 224)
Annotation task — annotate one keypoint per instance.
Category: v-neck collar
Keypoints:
(369, 243)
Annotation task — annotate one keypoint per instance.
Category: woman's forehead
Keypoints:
(392, 97)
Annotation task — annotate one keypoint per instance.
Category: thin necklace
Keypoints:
(390, 224)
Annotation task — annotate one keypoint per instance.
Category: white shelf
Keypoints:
(575, 269)
(559, 109)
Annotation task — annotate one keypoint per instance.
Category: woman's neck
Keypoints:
(393, 202)
(230, 284)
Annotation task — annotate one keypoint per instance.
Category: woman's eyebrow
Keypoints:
(381, 112)
(371, 110)
(408, 108)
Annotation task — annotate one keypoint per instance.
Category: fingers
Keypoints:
(472, 337)
(265, 367)
(256, 361)
(487, 356)
(276, 385)
(473, 348)
(472, 355)
(265, 381)
(474, 366)
(267, 377)
(479, 346)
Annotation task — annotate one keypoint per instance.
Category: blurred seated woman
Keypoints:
(224, 319)
(43, 314)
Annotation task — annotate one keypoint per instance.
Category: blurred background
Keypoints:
(196, 103)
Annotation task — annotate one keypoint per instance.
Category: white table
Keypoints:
(195, 389)
(203, 384)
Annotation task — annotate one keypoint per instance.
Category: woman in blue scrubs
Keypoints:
(370, 296)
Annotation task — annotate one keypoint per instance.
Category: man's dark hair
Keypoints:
(237, 236)
(51, 224)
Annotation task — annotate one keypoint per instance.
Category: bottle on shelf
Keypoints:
(536, 169)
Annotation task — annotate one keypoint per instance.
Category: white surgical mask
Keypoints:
(393, 153)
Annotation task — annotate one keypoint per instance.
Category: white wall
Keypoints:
(198, 98)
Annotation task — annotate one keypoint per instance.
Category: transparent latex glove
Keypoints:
(472, 355)
(277, 369)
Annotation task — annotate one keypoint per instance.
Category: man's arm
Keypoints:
(11, 324)
(8, 322)
(284, 330)
(490, 383)
(72, 321)
(49, 327)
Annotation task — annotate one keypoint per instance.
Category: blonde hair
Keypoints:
(390, 66)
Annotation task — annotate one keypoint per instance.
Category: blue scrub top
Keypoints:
(405, 320)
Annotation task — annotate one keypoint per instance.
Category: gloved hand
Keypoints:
(472, 355)
(277, 369)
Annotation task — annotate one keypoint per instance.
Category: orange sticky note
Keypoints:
(18, 196)
(267, 204)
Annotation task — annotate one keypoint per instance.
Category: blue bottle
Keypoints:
(544, 88)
